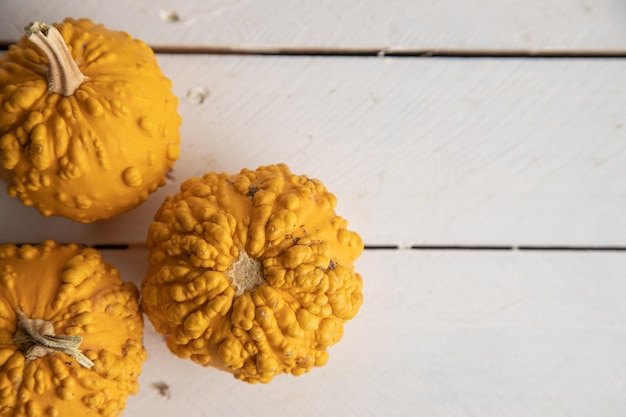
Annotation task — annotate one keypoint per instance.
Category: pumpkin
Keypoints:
(252, 273)
(70, 333)
(88, 122)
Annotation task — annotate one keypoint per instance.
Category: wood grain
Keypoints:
(418, 151)
(590, 26)
(440, 334)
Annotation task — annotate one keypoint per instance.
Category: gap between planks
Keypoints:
(534, 248)
(388, 52)
(422, 247)
(378, 51)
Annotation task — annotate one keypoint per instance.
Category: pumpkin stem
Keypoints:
(36, 338)
(64, 76)
(245, 274)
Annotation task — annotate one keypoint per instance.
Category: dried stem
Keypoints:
(36, 338)
(64, 76)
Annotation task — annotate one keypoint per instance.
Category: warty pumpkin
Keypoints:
(252, 273)
(70, 333)
(88, 122)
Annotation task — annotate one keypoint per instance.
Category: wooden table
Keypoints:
(478, 147)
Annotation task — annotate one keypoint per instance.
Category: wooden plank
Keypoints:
(530, 26)
(418, 151)
(440, 334)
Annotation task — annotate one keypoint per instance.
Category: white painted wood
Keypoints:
(530, 25)
(455, 334)
(418, 151)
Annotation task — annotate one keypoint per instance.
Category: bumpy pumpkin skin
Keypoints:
(99, 151)
(77, 292)
(252, 273)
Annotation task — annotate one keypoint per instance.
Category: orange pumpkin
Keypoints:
(252, 273)
(70, 333)
(88, 122)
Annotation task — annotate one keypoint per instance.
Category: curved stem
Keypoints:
(36, 338)
(64, 76)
